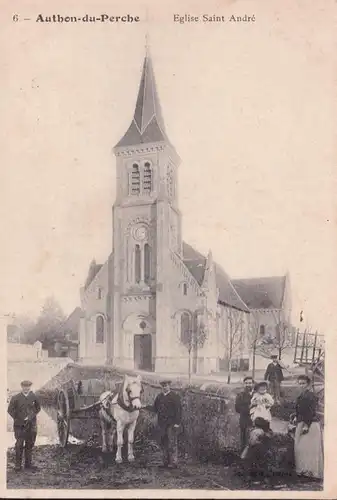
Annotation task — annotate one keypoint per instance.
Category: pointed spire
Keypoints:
(147, 124)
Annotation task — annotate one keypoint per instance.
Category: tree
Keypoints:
(193, 335)
(254, 336)
(49, 325)
(278, 342)
(234, 338)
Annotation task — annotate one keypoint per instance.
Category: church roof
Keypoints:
(261, 293)
(147, 124)
(196, 263)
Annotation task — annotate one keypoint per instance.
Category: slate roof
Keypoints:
(261, 293)
(196, 263)
(147, 124)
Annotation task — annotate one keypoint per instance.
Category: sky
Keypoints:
(249, 108)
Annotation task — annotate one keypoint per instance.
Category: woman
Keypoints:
(308, 434)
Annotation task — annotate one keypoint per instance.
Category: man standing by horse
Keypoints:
(167, 406)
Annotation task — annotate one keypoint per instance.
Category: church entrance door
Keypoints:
(143, 352)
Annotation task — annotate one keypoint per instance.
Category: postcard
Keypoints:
(169, 249)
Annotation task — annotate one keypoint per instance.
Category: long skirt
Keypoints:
(309, 451)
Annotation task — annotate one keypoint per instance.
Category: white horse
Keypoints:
(121, 408)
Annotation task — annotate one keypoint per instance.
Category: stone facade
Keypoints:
(155, 293)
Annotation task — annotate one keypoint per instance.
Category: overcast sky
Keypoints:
(249, 108)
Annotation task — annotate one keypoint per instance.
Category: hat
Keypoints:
(26, 383)
(261, 384)
(165, 382)
(274, 356)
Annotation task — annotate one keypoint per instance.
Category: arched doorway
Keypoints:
(142, 351)
(139, 329)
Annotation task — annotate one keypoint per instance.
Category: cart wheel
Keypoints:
(63, 418)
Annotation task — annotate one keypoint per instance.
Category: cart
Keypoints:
(78, 409)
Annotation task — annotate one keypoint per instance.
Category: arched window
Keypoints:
(170, 182)
(185, 288)
(135, 179)
(147, 178)
(147, 263)
(100, 330)
(137, 264)
(185, 328)
(262, 330)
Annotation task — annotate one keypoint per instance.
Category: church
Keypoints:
(156, 304)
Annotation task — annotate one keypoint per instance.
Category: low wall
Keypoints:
(210, 423)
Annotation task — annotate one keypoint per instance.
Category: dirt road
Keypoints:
(80, 467)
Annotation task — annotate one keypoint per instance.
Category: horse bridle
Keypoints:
(120, 402)
(131, 399)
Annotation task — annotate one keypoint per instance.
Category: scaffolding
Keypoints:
(309, 348)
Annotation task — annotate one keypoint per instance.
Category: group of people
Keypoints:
(254, 404)
(24, 407)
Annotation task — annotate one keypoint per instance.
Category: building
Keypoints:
(155, 292)
(61, 348)
(269, 300)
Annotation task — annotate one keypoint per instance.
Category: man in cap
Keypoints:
(23, 408)
(274, 375)
(167, 406)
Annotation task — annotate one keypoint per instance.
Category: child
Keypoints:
(261, 403)
(257, 454)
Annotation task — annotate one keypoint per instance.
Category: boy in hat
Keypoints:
(274, 376)
(167, 406)
(23, 408)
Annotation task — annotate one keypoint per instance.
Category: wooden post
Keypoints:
(296, 346)
(302, 350)
(314, 348)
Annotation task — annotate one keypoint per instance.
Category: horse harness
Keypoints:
(120, 402)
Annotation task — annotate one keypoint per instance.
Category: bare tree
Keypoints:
(193, 336)
(254, 336)
(278, 342)
(234, 338)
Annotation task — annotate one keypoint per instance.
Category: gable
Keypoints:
(196, 264)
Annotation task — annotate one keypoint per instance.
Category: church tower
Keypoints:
(146, 229)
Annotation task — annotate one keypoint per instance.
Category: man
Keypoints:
(167, 406)
(242, 406)
(23, 408)
(274, 376)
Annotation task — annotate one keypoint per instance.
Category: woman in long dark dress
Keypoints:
(308, 434)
